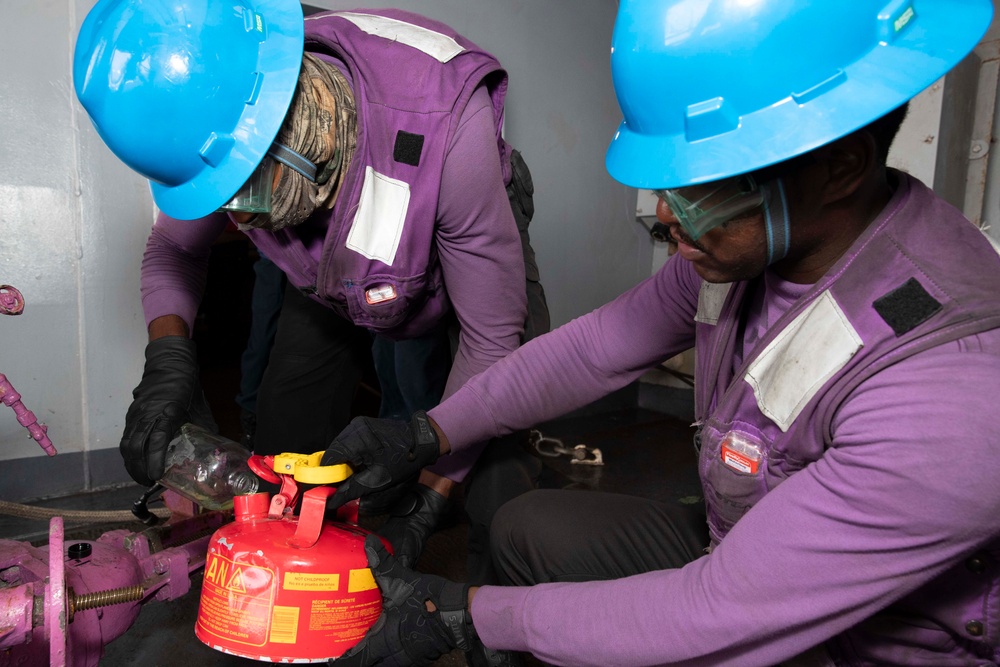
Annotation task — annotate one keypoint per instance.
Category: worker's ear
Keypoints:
(848, 162)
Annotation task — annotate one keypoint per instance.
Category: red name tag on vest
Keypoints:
(380, 294)
(742, 452)
(739, 462)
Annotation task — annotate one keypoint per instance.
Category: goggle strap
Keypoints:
(293, 160)
(776, 222)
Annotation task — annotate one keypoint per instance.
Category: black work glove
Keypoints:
(167, 397)
(382, 452)
(406, 633)
(382, 502)
(412, 521)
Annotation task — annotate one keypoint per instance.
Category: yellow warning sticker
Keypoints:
(284, 624)
(303, 581)
(361, 580)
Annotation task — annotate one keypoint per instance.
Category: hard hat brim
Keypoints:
(874, 85)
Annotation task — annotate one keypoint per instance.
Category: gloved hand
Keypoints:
(379, 503)
(407, 633)
(167, 397)
(412, 521)
(382, 452)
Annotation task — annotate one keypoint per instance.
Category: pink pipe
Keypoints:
(12, 303)
(55, 596)
(25, 417)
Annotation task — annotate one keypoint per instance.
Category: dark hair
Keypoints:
(884, 130)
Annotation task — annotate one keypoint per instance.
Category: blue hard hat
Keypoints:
(189, 93)
(714, 88)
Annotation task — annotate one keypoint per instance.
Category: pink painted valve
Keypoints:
(60, 604)
(11, 301)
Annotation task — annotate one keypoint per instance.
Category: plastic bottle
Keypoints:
(208, 469)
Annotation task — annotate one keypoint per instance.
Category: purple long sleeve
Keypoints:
(175, 265)
(480, 253)
(824, 550)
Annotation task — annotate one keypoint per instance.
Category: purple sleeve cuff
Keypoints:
(458, 465)
(464, 418)
(496, 614)
(164, 302)
(175, 266)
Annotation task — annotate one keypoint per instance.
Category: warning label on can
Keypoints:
(236, 601)
(343, 618)
(304, 581)
(284, 624)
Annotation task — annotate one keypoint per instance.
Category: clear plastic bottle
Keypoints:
(208, 469)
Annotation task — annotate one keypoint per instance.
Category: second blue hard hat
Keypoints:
(189, 93)
(714, 88)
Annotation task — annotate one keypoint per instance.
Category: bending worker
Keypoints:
(846, 322)
(361, 152)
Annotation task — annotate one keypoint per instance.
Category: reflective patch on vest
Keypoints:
(906, 307)
(795, 366)
(440, 47)
(378, 224)
(408, 148)
(711, 298)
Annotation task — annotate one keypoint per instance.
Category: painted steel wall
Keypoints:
(72, 226)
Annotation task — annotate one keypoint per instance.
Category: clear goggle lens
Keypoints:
(255, 195)
(699, 208)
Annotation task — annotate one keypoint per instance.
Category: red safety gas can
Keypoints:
(285, 588)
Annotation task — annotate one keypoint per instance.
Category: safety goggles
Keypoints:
(255, 195)
(699, 208)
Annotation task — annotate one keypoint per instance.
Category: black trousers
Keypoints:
(314, 370)
(412, 373)
(552, 535)
(316, 365)
(505, 470)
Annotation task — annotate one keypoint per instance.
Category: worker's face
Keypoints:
(241, 217)
(735, 250)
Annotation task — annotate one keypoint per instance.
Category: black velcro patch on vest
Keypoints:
(906, 307)
(407, 148)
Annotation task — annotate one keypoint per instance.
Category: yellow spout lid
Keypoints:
(306, 468)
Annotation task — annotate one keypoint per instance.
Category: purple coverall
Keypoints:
(870, 524)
